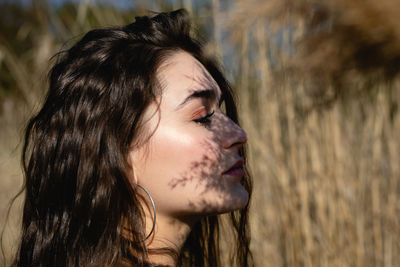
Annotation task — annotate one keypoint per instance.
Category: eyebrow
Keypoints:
(208, 94)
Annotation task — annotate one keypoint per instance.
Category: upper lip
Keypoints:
(238, 164)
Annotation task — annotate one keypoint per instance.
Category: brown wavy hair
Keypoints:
(78, 198)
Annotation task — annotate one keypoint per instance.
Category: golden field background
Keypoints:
(319, 98)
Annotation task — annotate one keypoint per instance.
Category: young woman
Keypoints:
(135, 154)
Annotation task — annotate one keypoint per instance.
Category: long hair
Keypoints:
(78, 197)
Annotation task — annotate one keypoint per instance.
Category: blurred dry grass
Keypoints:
(319, 91)
(324, 130)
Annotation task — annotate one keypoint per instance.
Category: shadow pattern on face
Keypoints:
(216, 192)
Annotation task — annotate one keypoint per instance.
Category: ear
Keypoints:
(132, 174)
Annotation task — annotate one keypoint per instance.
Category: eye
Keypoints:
(205, 120)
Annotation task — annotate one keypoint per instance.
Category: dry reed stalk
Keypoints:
(326, 186)
(217, 29)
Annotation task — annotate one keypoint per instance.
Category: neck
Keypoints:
(169, 235)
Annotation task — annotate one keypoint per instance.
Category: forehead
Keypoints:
(181, 74)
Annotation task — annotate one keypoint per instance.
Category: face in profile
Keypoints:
(190, 163)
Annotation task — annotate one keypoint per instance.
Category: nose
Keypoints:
(233, 136)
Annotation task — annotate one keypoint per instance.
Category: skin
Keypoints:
(182, 165)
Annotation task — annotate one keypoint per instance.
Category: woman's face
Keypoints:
(190, 164)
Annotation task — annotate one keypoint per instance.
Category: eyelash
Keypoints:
(205, 120)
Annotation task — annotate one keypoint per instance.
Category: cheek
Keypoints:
(181, 162)
(182, 171)
(184, 153)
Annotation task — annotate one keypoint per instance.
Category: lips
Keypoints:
(236, 170)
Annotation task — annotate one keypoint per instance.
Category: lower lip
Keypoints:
(236, 172)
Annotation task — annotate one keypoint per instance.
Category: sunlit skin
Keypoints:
(183, 165)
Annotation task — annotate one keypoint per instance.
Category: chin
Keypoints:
(216, 202)
(231, 201)
(238, 200)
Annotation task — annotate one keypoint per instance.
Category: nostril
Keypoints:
(238, 144)
(238, 138)
(242, 140)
